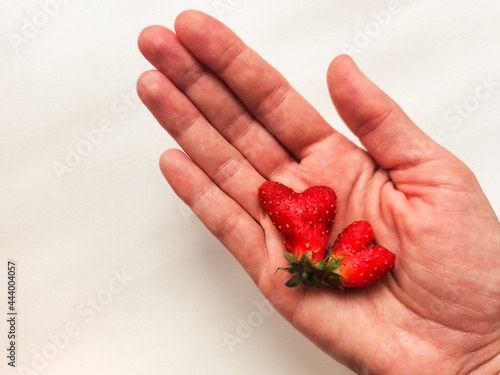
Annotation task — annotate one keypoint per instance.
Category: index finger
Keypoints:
(261, 88)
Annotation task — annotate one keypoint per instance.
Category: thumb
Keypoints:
(390, 137)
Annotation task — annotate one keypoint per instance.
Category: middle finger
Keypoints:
(215, 101)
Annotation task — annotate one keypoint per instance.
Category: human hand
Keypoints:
(240, 123)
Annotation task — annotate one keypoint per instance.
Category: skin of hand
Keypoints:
(240, 123)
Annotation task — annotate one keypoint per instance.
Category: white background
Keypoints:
(71, 233)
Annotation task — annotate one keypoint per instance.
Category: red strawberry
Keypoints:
(353, 238)
(365, 266)
(303, 219)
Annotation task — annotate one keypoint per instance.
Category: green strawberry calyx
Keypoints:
(319, 274)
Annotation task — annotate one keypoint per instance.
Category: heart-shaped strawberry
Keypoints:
(303, 219)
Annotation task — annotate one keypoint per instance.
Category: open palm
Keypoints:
(240, 123)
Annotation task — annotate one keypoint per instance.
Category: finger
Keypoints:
(204, 145)
(223, 217)
(391, 138)
(262, 89)
(214, 100)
